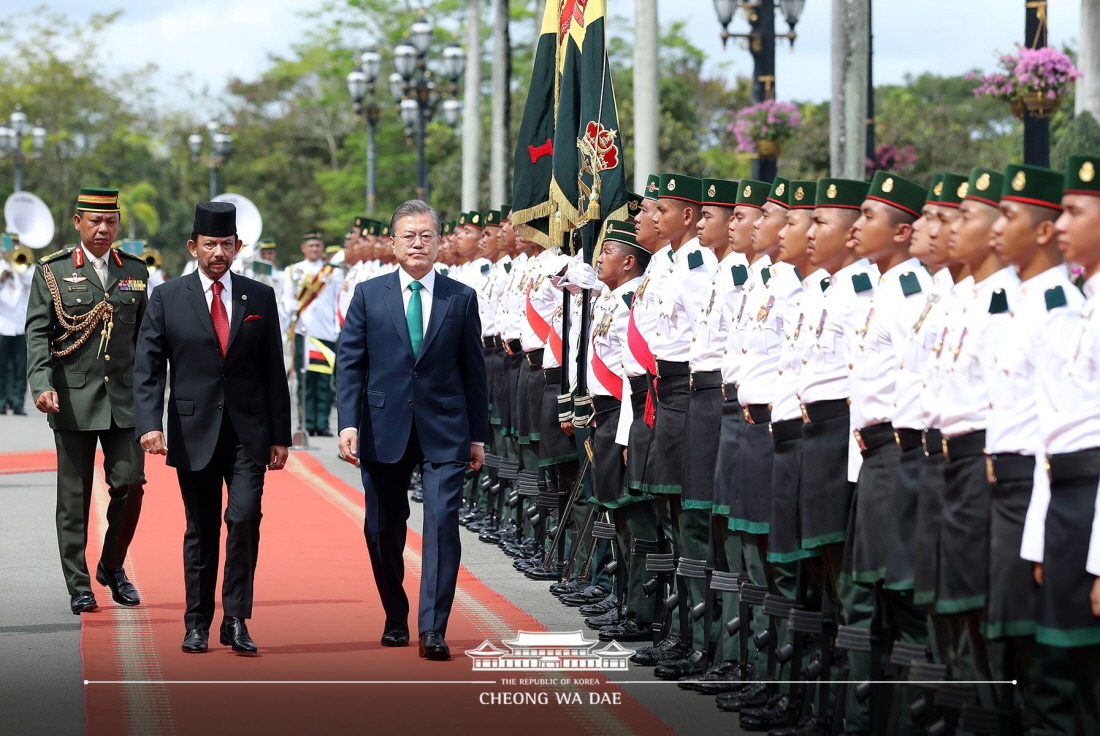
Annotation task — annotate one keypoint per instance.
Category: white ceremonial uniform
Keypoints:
(684, 292)
(610, 315)
(737, 315)
(15, 294)
(319, 318)
(797, 337)
(764, 328)
(710, 324)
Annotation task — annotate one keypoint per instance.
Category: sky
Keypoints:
(910, 36)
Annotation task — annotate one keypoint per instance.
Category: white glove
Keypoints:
(578, 276)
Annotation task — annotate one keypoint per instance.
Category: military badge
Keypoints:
(1019, 181)
(1087, 172)
(888, 185)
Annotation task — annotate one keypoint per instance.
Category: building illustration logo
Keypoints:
(548, 650)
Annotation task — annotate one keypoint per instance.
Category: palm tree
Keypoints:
(136, 204)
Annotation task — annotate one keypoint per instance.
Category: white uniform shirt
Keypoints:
(710, 325)
(319, 319)
(610, 315)
(684, 294)
(763, 334)
(796, 340)
(15, 294)
(737, 315)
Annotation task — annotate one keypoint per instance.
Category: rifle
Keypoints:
(559, 535)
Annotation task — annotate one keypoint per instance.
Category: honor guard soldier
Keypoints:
(310, 294)
(1061, 535)
(85, 307)
(15, 294)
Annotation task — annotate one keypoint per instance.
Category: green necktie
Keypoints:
(415, 317)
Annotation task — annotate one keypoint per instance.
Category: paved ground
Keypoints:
(40, 690)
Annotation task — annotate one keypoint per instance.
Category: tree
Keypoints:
(1080, 135)
(136, 203)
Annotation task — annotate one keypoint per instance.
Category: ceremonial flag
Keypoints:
(321, 358)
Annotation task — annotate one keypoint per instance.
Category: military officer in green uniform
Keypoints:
(85, 307)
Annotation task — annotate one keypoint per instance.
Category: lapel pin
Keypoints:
(244, 297)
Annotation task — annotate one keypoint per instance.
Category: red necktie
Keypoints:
(219, 317)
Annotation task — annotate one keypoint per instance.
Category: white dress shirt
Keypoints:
(99, 265)
(428, 281)
(227, 293)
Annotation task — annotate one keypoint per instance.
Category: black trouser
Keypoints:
(124, 471)
(13, 371)
(202, 501)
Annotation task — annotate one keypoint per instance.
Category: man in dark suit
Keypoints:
(228, 416)
(411, 388)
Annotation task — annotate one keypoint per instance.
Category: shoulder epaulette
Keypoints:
(909, 284)
(628, 297)
(55, 256)
(998, 303)
(695, 259)
(1055, 297)
(861, 282)
(131, 256)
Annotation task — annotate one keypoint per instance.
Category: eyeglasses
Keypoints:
(410, 238)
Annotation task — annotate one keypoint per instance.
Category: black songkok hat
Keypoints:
(215, 219)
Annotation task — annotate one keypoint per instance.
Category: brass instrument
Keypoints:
(20, 258)
(152, 258)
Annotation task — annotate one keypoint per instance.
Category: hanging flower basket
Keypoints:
(764, 127)
(1039, 105)
(1032, 81)
(1017, 108)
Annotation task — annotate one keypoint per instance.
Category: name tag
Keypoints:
(77, 288)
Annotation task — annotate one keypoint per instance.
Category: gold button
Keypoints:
(79, 300)
(133, 299)
(106, 378)
(106, 357)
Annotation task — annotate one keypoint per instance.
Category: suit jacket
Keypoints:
(382, 388)
(94, 388)
(250, 383)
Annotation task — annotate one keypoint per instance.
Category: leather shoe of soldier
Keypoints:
(395, 636)
(574, 585)
(670, 648)
(689, 666)
(122, 590)
(591, 594)
(808, 726)
(234, 634)
(610, 603)
(628, 630)
(779, 713)
(537, 573)
(716, 672)
(196, 641)
(727, 681)
(608, 618)
(324, 432)
(82, 602)
(432, 646)
(754, 695)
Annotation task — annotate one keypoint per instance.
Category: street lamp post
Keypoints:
(221, 146)
(416, 94)
(361, 85)
(11, 141)
(761, 43)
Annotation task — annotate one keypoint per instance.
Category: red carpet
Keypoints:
(317, 618)
(38, 461)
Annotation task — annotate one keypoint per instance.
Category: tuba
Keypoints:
(28, 217)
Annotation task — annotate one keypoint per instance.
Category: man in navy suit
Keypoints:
(411, 388)
(228, 416)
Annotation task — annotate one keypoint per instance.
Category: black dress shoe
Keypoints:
(83, 601)
(781, 712)
(324, 433)
(433, 647)
(610, 603)
(670, 648)
(395, 636)
(234, 634)
(196, 641)
(628, 630)
(723, 678)
(537, 573)
(609, 618)
(689, 666)
(592, 594)
(755, 695)
(122, 590)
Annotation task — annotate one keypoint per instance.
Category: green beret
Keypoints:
(843, 193)
(448, 226)
(492, 218)
(505, 212)
(720, 192)
(932, 196)
(684, 188)
(950, 190)
(781, 192)
(1081, 175)
(97, 200)
(985, 186)
(621, 231)
(803, 194)
(1033, 185)
(752, 193)
(906, 195)
(652, 186)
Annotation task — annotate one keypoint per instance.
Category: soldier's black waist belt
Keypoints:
(492, 341)
(513, 347)
(729, 392)
(965, 445)
(757, 413)
(821, 411)
(552, 375)
(534, 357)
(1069, 466)
(871, 438)
(1006, 467)
(639, 384)
(933, 442)
(699, 380)
(668, 368)
(908, 439)
(788, 429)
(605, 403)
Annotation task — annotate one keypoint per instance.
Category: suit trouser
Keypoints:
(202, 502)
(13, 371)
(385, 526)
(315, 390)
(124, 471)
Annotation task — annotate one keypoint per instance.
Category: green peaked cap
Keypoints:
(1033, 185)
(843, 193)
(720, 192)
(1083, 175)
(906, 195)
